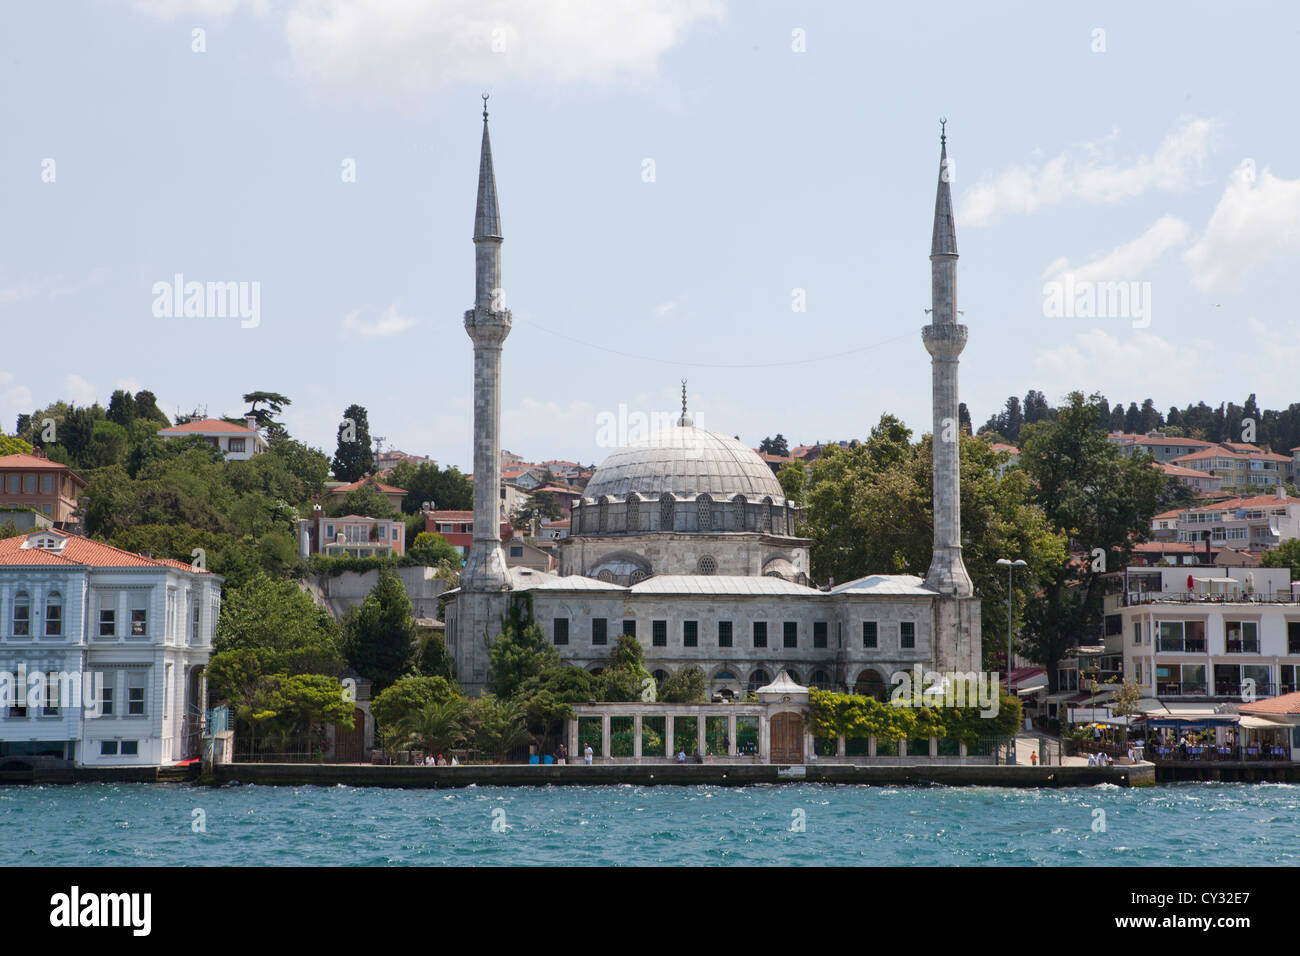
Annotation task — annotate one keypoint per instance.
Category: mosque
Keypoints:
(686, 542)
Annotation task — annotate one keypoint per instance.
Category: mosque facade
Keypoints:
(685, 540)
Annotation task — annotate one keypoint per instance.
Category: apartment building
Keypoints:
(1239, 466)
(1230, 634)
(1257, 523)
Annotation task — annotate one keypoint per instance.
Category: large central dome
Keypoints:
(685, 461)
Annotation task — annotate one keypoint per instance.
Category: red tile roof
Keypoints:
(205, 425)
(81, 551)
(1286, 704)
(36, 463)
(1155, 440)
(1254, 501)
(368, 480)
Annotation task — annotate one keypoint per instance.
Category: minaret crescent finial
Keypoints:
(485, 99)
(943, 129)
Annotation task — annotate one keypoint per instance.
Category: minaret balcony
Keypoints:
(944, 342)
(486, 327)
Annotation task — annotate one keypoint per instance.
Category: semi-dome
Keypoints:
(685, 461)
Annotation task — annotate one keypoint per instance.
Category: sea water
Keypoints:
(811, 824)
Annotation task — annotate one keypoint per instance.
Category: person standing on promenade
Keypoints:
(587, 754)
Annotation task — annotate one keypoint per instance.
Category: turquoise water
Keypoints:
(116, 825)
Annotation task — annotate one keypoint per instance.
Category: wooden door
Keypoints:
(786, 737)
(350, 745)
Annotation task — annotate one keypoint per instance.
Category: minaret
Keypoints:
(488, 324)
(945, 339)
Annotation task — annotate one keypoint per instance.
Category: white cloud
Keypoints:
(402, 51)
(1096, 360)
(1128, 261)
(79, 391)
(390, 322)
(1026, 189)
(1257, 218)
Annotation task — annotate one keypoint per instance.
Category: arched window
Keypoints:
(821, 680)
(602, 512)
(704, 513)
(767, 514)
(789, 519)
(870, 684)
(724, 675)
(793, 674)
(54, 614)
(22, 615)
(633, 513)
(738, 512)
(666, 504)
(707, 565)
(637, 577)
(606, 576)
(759, 678)
(660, 675)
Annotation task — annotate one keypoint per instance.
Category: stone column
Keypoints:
(701, 722)
(764, 742)
(604, 736)
(574, 755)
(668, 735)
(731, 735)
(841, 746)
(636, 737)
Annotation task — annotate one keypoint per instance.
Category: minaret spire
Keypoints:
(487, 324)
(944, 242)
(945, 339)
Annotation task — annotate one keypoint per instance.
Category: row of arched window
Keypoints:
(771, 517)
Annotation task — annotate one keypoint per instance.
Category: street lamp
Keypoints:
(1011, 567)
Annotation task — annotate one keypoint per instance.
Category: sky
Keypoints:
(735, 193)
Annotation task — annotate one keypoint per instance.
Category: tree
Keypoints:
(281, 620)
(437, 726)
(775, 446)
(870, 510)
(409, 694)
(500, 726)
(13, 445)
(447, 488)
(354, 457)
(433, 550)
(687, 686)
(1285, 555)
(366, 500)
(794, 481)
(626, 679)
(1103, 500)
(274, 404)
(519, 652)
(431, 657)
(378, 634)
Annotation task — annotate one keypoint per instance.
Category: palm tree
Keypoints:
(502, 729)
(438, 726)
(396, 740)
